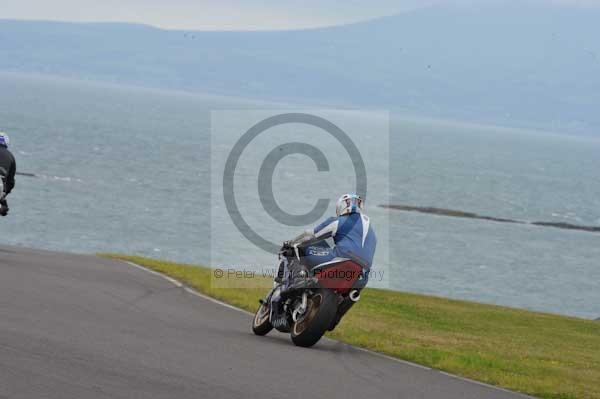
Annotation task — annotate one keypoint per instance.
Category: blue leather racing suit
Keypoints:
(353, 236)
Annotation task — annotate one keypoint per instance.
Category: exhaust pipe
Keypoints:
(354, 295)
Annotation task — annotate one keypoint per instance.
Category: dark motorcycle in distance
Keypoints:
(307, 303)
(2, 193)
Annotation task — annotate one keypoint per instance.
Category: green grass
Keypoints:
(540, 354)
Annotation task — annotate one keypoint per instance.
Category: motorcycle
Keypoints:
(308, 303)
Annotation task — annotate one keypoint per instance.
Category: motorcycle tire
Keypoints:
(319, 315)
(261, 325)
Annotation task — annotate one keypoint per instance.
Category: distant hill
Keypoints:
(527, 66)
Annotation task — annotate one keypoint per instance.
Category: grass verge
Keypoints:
(544, 355)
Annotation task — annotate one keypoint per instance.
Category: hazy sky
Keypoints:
(222, 14)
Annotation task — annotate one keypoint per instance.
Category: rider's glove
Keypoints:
(287, 250)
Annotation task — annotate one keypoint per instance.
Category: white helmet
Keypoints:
(349, 203)
(4, 140)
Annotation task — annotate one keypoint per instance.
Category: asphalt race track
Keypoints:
(75, 326)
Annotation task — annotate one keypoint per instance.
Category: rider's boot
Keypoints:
(298, 278)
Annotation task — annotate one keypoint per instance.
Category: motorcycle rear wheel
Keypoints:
(261, 325)
(320, 312)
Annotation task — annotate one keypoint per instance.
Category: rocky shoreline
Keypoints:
(471, 215)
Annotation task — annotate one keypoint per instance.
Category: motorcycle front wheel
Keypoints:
(320, 312)
(261, 324)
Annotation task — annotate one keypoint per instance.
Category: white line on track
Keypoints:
(186, 288)
(381, 355)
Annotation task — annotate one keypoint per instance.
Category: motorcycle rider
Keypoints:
(8, 169)
(352, 234)
(354, 239)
